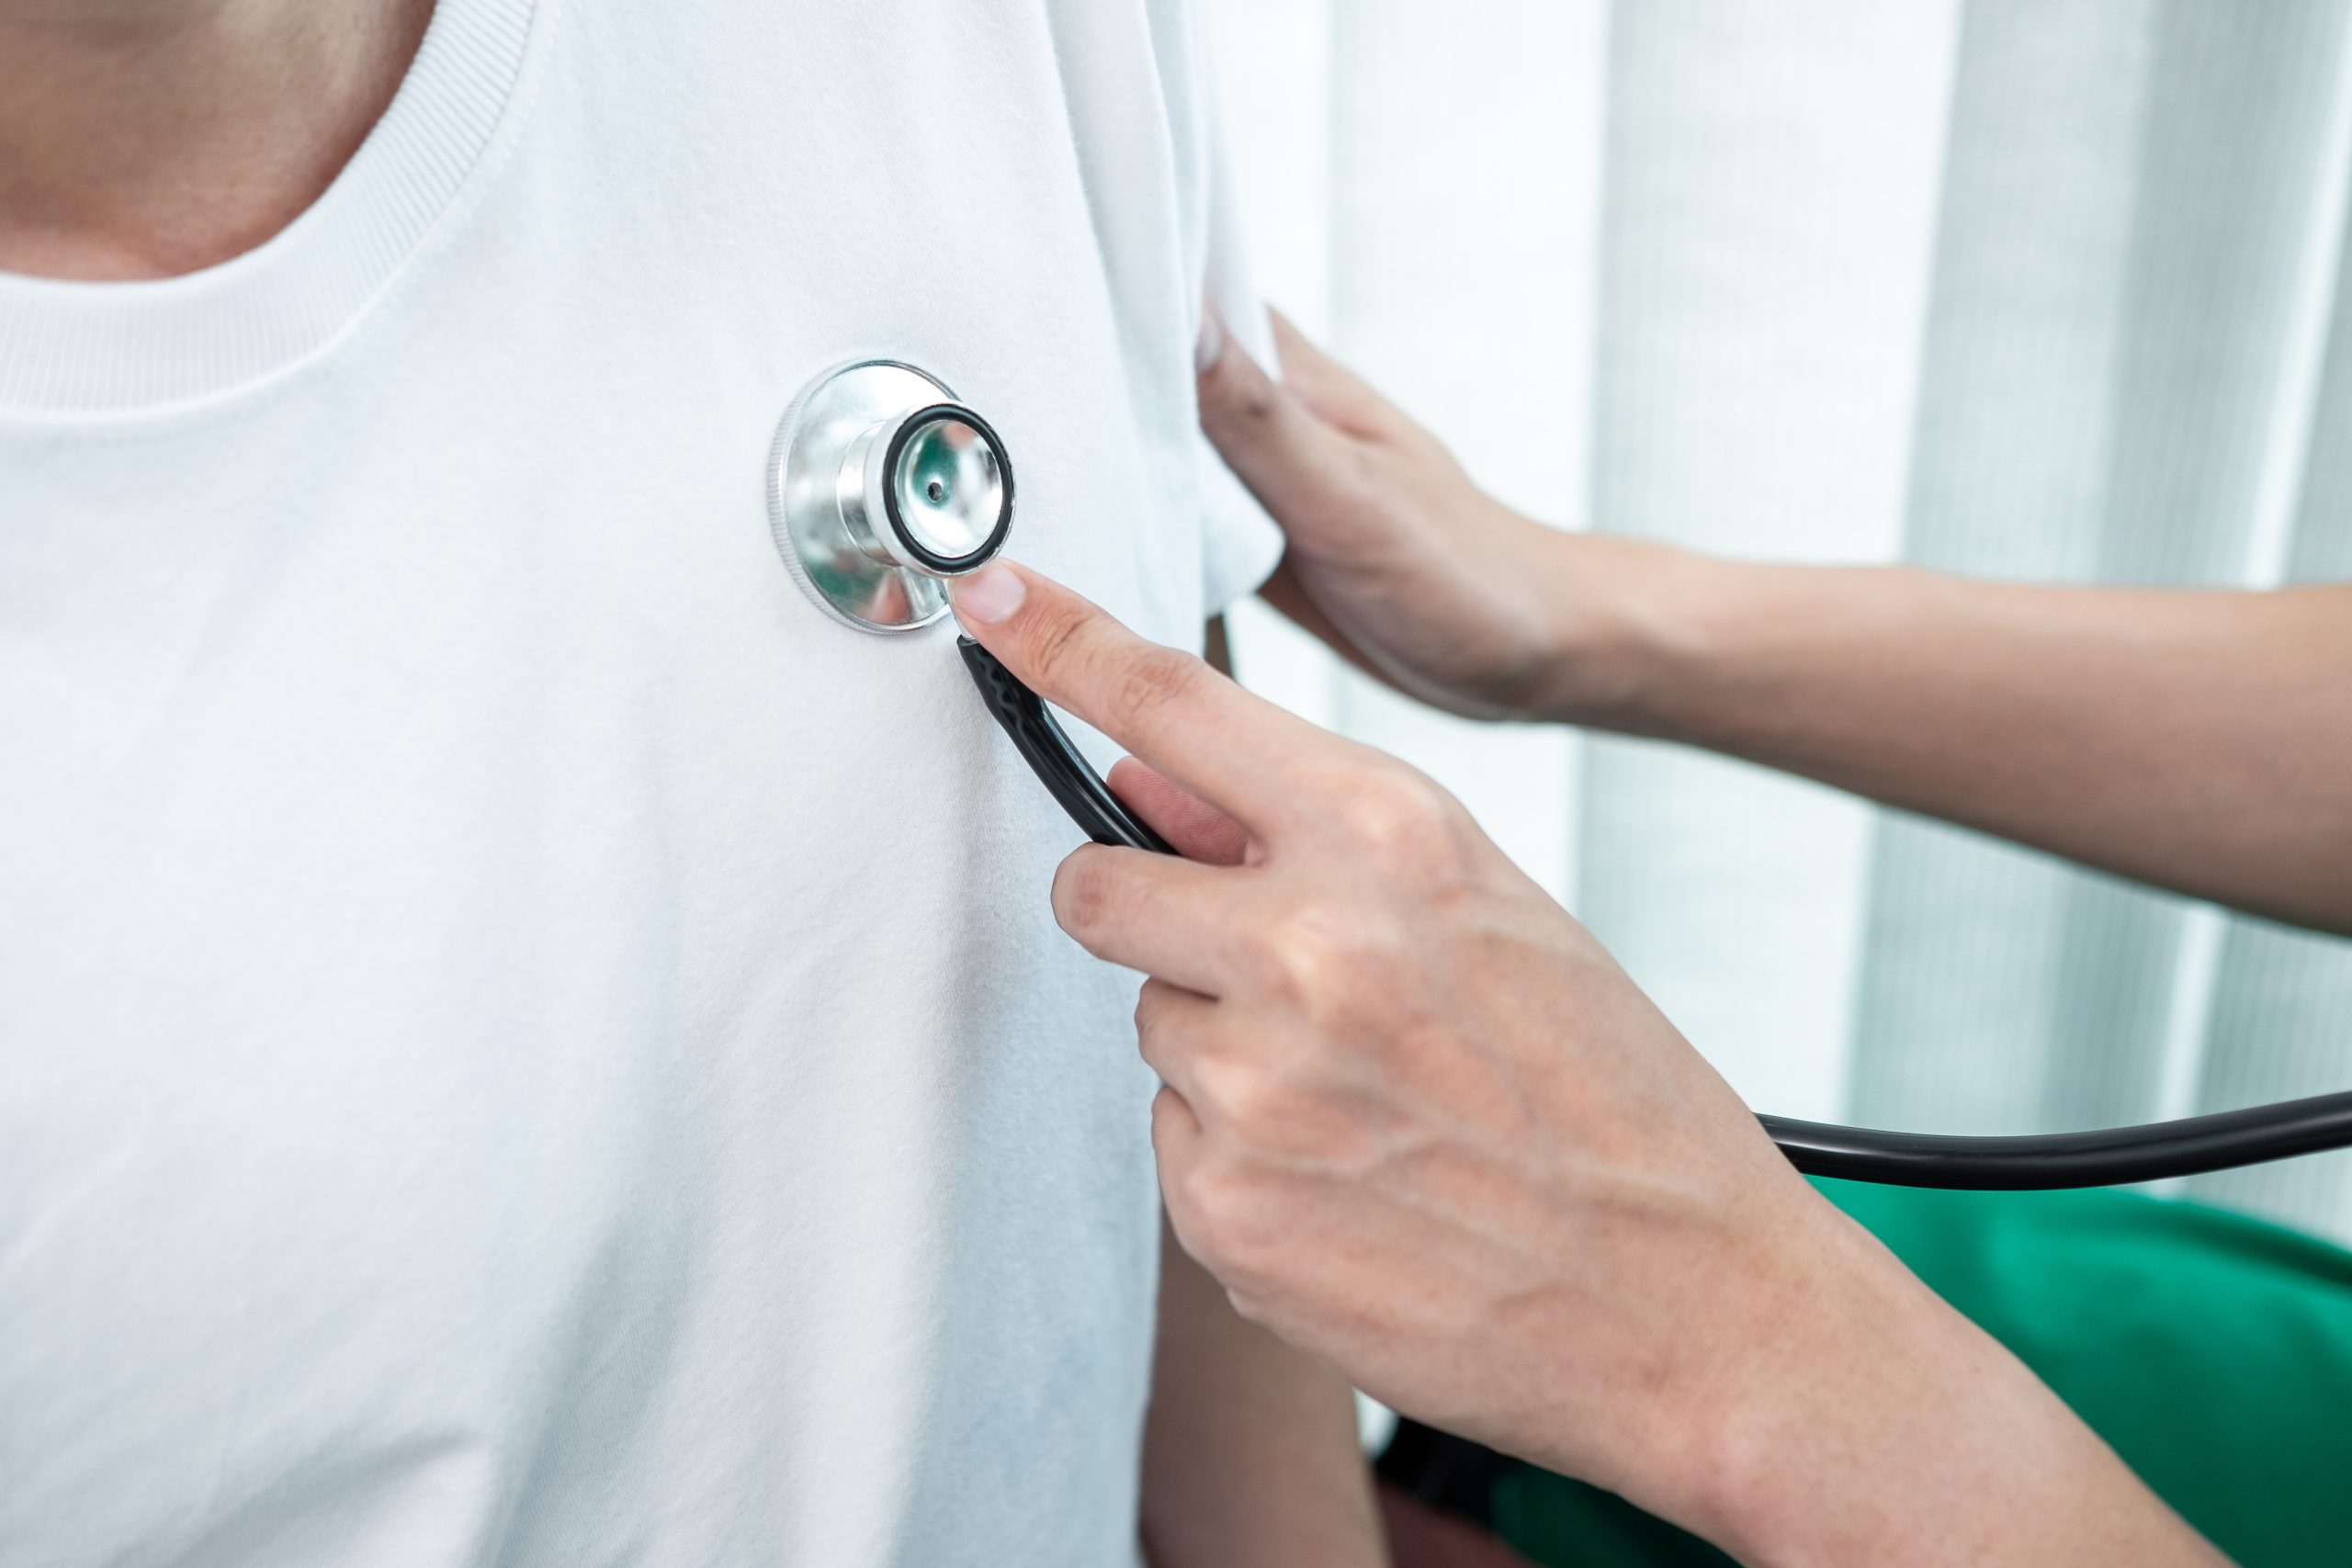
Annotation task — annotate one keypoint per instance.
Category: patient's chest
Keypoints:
(510, 1011)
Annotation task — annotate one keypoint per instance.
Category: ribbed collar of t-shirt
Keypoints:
(70, 347)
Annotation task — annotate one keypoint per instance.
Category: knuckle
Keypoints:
(1157, 1035)
(1056, 642)
(1162, 1005)
(1401, 819)
(1235, 391)
(1307, 964)
(1241, 1217)
(1241, 1096)
(1197, 1194)
(1083, 892)
(1169, 1113)
(1216, 1199)
(1253, 398)
(1338, 971)
(1364, 478)
(1151, 1006)
(1152, 683)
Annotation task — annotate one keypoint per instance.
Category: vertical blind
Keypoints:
(2045, 289)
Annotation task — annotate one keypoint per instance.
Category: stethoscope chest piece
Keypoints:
(881, 487)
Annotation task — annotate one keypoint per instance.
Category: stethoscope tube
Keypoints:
(2105, 1157)
(1065, 775)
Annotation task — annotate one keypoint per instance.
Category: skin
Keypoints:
(1418, 1122)
(1249, 1454)
(2197, 740)
(146, 138)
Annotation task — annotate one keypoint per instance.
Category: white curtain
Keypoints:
(2052, 289)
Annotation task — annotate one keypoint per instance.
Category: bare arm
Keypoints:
(2200, 741)
(1416, 1121)
(1249, 1454)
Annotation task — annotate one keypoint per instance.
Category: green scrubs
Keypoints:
(2214, 1351)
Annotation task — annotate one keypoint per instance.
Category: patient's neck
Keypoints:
(149, 138)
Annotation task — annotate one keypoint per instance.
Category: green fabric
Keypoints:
(2212, 1351)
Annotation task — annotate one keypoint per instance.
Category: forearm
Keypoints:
(1881, 1428)
(1249, 1450)
(1418, 1121)
(2200, 741)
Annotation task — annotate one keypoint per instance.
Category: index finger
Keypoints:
(1169, 708)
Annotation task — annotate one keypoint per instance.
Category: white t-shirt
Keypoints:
(522, 1040)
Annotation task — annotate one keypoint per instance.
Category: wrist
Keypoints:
(1626, 628)
(1776, 1459)
(1733, 656)
(1884, 1429)
(1845, 1398)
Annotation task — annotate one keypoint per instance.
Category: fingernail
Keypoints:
(989, 596)
(1206, 352)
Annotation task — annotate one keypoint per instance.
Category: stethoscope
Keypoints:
(883, 486)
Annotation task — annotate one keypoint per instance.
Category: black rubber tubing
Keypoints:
(2107, 1157)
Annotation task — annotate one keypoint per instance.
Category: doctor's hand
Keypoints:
(1418, 1123)
(2191, 740)
(1401, 563)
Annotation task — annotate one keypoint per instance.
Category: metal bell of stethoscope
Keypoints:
(882, 487)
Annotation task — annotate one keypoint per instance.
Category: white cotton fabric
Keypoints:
(521, 1040)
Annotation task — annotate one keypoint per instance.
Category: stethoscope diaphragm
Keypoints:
(881, 487)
